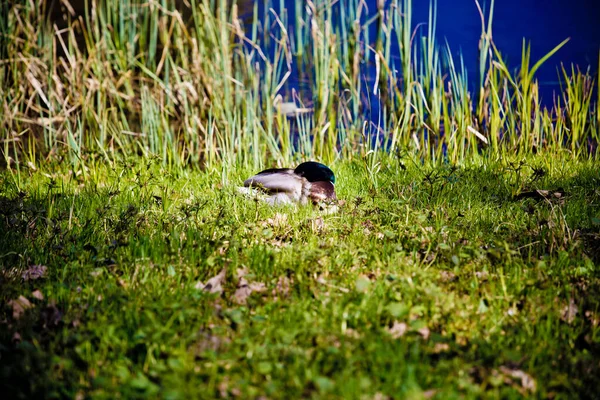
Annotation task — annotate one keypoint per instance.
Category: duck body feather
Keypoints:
(282, 185)
(309, 181)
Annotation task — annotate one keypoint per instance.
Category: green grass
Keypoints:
(493, 289)
(125, 129)
(194, 84)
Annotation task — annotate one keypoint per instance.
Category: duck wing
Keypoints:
(277, 181)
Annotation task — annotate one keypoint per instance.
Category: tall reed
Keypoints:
(205, 87)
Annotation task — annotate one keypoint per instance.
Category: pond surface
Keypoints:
(544, 23)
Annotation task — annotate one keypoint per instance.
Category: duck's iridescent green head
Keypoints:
(314, 172)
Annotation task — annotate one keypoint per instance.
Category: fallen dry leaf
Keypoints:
(541, 194)
(244, 290)
(527, 382)
(424, 332)
(283, 287)
(96, 273)
(593, 318)
(569, 312)
(398, 329)
(278, 220)
(37, 295)
(441, 347)
(19, 306)
(448, 276)
(241, 295)
(224, 388)
(214, 284)
(223, 249)
(317, 224)
(34, 272)
(241, 272)
(368, 224)
(483, 275)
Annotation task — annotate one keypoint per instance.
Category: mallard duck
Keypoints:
(310, 181)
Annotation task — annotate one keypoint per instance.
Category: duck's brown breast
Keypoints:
(322, 190)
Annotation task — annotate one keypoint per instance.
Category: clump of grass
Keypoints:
(479, 280)
(196, 84)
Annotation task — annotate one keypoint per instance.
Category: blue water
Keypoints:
(544, 23)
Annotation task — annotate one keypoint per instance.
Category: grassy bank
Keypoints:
(431, 282)
(463, 261)
(195, 84)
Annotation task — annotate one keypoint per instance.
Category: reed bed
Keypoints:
(193, 83)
